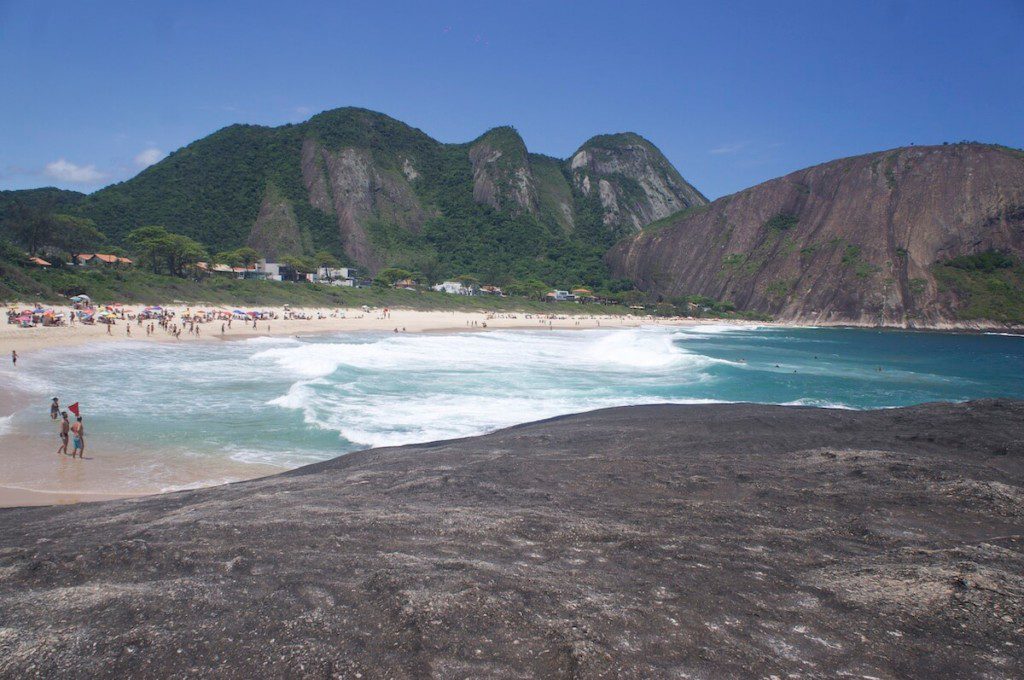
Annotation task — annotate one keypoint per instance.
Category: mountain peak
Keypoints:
(633, 181)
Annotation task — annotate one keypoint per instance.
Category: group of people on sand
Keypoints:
(73, 433)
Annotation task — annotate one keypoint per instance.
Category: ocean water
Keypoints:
(177, 415)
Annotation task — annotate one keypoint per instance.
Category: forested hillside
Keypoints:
(377, 193)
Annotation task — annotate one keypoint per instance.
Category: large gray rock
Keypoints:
(655, 541)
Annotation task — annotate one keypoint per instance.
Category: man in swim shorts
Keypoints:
(78, 438)
(64, 427)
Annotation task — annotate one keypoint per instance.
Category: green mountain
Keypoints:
(379, 193)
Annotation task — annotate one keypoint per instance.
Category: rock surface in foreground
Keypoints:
(655, 541)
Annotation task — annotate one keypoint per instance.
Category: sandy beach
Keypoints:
(73, 483)
(26, 340)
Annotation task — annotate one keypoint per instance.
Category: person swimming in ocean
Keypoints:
(54, 409)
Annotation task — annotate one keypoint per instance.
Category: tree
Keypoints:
(531, 288)
(468, 281)
(228, 257)
(148, 243)
(159, 246)
(247, 256)
(76, 235)
(302, 265)
(391, 276)
(182, 253)
(31, 228)
(325, 259)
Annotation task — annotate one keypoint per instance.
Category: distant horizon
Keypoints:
(682, 171)
(733, 93)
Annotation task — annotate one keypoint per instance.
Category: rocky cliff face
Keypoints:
(633, 181)
(501, 172)
(854, 240)
(358, 189)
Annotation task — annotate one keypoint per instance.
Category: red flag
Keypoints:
(74, 408)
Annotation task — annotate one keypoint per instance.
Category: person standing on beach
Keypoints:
(14, 358)
(54, 409)
(65, 426)
(78, 438)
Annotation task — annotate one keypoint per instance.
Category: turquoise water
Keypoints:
(290, 401)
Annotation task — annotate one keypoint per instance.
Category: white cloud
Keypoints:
(148, 157)
(728, 148)
(66, 171)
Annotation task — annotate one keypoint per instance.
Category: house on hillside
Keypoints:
(454, 288)
(101, 259)
(560, 296)
(334, 276)
(491, 290)
(39, 262)
(270, 271)
(406, 284)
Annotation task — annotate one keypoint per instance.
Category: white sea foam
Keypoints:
(401, 389)
(291, 401)
(818, 403)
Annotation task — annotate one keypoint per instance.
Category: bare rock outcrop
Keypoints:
(852, 240)
(645, 542)
(633, 181)
(355, 187)
(502, 177)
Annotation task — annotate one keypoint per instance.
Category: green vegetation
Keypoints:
(988, 261)
(675, 217)
(164, 251)
(780, 289)
(989, 286)
(703, 306)
(782, 222)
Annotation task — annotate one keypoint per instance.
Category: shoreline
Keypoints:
(17, 497)
(28, 342)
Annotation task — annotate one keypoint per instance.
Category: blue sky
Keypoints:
(734, 93)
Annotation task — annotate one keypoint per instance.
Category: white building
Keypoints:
(454, 288)
(335, 276)
(270, 270)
